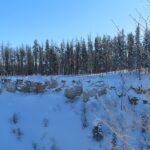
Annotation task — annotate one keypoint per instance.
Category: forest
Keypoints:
(85, 56)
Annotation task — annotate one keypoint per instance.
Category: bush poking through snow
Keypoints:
(25, 87)
(16, 130)
(148, 91)
(73, 92)
(145, 122)
(112, 88)
(39, 88)
(102, 92)
(145, 101)
(97, 133)
(78, 90)
(73, 81)
(85, 96)
(63, 81)
(47, 84)
(70, 93)
(88, 94)
(84, 117)
(101, 88)
(145, 130)
(34, 146)
(18, 133)
(114, 142)
(138, 90)
(18, 83)
(32, 87)
(133, 100)
(1, 90)
(45, 122)
(58, 89)
(10, 87)
(53, 84)
(53, 147)
(14, 119)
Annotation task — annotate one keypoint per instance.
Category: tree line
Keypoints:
(103, 54)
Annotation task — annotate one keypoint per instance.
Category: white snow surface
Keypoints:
(64, 119)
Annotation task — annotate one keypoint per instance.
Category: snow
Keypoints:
(50, 119)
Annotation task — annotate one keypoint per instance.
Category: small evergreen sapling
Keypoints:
(114, 142)
(97, 133)
(144, 127)
(84, 117)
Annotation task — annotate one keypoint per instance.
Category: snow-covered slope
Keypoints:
(50, 121)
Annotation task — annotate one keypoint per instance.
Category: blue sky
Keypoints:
(23, 21)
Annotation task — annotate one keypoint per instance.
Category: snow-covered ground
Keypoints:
(50, 121)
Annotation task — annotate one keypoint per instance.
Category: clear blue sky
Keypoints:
(23, 21)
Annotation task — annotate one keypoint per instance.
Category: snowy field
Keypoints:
(119, 105)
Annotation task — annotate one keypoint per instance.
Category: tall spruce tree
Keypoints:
(84, 57)
(90, 56)
(62, 58)
(138, 50)
(77, 57)
(121, 50)
(30, 63)
(71, 58)
(130, 49)
(97, 50)
(41, 58)
(47, 58)
(35, 56)
(22, 60)
(146, 49)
